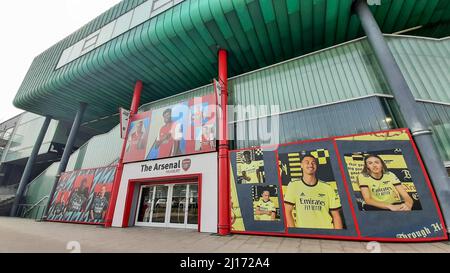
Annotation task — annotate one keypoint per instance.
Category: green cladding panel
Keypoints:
(25, 135)
(176, 50)
(36, 191)
(438, 118)
(346, 72)
(100, 151)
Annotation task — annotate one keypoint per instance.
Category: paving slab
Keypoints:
(24, 235)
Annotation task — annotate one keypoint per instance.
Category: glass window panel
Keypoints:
(89, 42)
(76, 51)
(105, 33)
(141, 13)
(324, 121)
(438, 118)
(7, 134)
(122, 24)
(161, 3)
(161, 6)
(64, 59)
(24, 138)
(178, 204)
(160, 204)
(145, 205)
(192, 217)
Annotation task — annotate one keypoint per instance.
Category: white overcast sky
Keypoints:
(27, 28)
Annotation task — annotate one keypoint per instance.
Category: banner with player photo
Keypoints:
(255, 193)
(314, 194)
(137, 137)
(390, 189)
(188, 127)
(82, 196)
(369, 187)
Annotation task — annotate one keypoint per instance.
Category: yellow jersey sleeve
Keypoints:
(258, 204)
(394, 179)
(362, 180)
(335, 200)
(290, 194)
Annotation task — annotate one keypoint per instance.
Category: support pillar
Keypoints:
(29, 166)
(408, 107)
(118, 175)
(67, 152)
(224, 182)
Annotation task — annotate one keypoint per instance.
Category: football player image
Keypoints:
(265, 208)
(168, 140)
(78, 197)
(380, 188)
(208, 140)
(99, 206)
(136, 139)
(60, 203)
(316, 203)
(249, 171)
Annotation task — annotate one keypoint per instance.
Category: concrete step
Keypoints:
(6, 205)
(6, 197)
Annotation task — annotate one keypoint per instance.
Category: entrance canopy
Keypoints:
(171, 45)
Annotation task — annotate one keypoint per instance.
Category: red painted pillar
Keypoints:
(117, 177)
(224, 184)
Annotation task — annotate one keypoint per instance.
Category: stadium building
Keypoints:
(323, 70)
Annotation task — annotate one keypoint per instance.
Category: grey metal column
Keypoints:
(408, 107)
(67, 151)
(29, 166)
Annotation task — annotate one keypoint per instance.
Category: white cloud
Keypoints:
(30, 27)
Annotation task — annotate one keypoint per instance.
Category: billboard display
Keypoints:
(369, 186)
(188, 127)
(82, 196)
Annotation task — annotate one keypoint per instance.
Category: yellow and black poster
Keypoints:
(370, 186)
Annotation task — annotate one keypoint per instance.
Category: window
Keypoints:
(64, 57)
(90, 41)
(160, 6)
(132, 18)
(141, 13)
(122, 24)
(76, 51)
(105, 33)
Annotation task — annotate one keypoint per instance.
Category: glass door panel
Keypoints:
(192, 206)
(145, 204)
(171, 205)
(160, 204)
(177, 213)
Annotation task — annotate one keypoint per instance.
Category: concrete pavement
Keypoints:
(24, 235)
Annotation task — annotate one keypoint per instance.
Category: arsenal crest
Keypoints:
(186, 164)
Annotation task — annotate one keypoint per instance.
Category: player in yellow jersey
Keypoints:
(265, 208)
(381, 188)
(248, 170)
(316, 204)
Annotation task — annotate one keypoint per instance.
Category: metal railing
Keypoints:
(25, 209)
